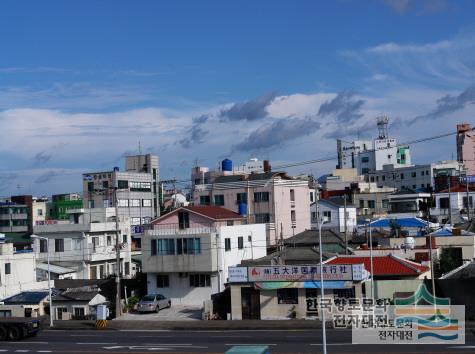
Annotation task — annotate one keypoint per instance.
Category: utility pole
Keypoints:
(468, 195)
(450, 197)
(346, 224)
(432, 276)
(322, 290)
(117, 247)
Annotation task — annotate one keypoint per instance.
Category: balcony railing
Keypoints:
(182, 229)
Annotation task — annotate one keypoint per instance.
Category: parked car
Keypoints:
(153, 302)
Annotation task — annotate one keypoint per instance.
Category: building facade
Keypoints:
(187, 252)
(466, 147)
(87, 244)
(14, 217)
(62, 203)
(272, 198)
(333, 212)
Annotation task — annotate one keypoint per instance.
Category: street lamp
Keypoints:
(51, 312)
(322, 291)
(371, 256)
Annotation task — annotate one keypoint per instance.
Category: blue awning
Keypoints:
(402, 222)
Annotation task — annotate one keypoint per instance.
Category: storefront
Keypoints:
(292, 291)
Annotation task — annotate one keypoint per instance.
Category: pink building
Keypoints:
(466, 147)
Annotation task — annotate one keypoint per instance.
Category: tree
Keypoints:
(447, 261)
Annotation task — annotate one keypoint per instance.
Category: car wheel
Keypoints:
(14, 333)
(169, 304)
(157, 309)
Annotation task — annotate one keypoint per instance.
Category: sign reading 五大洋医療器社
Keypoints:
(306, 272)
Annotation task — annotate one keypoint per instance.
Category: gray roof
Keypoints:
(26, 297)
(54, 268)
(290, 255)
(310, 237)
(465, 271)
(337, 201)
(76, 296)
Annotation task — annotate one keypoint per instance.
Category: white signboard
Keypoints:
(301, 272)
(237, 274)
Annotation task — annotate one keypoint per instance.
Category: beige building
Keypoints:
(272, 198)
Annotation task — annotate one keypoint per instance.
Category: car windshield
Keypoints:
(148, 298)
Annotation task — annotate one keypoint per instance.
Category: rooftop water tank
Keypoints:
(116, 169)
(227, 165)
(409, 243)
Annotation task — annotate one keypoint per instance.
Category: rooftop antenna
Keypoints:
(140, 149)
(382, 123)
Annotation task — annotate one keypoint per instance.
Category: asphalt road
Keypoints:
(285, 341)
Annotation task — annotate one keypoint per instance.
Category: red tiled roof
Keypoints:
(461, 188)
(214, 212)
(383, 265)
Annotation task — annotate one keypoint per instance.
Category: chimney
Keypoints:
(267, 167)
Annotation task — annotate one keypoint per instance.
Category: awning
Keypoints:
(402, 222)
(310, 284)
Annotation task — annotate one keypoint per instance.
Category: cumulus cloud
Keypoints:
(277, 133)
(449, 104)
(251, 110)
(422, 7)
(344, 107)
(195, 134)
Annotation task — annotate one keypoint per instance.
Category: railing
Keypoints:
(178, 229)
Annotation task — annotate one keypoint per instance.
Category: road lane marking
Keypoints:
(102, 343)
(248, 344)
(44, 351)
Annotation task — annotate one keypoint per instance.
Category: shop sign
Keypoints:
(237, 274)
(302, 272)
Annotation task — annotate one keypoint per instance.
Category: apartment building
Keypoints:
(135, 190)
(86, 244)
(14, 217)
(466, 147)
(61, 203)
(17, 270)
(371, 200)
(333, 212)
(272, 198)
(187, 252)
(454, 205)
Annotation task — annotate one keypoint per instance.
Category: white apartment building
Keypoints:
(371, 155)
(272, 198)
(187, 253)
(86, 244)
(333, 212)
(454, 205)
(17, 271)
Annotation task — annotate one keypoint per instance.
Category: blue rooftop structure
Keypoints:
(402, 222)
(26, 297)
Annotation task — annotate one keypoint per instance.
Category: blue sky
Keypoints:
(82, 82)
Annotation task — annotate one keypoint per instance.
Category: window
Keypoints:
(95, 244)
(219, 199)
(134, 202)
(240, 242)
(385, 203)
(204, 200)
(122, 184)
(166, 246)
(39, 212)
(241, 198)
(105, 184)
(288, 296)
(227, 244)
(153, 247)
(79, 312)
(105, 203)
(364, 170)
(314, 215)
(43, 246)
(59, 245)
(200, 280)
(127, 268)
(372, 178)
(8, 268)
(365, 159)
(146, 202)
(191, 245)
(229, 222)
(90, 186)
(371, 204)
(163, 281)
(444, 203)
(414, 186)
(361, 203)
(262, 218)
(470, 201)
(183, 220)
(140, 186)
(292, 195)
(327, 215)
(292, 216)
(383, 177)
(109, 240)
(123, 203)
(76, 243)
(134, 221)
(261, 196)
(402, 175)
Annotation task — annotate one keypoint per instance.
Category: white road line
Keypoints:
(22, 351)
(144, 330)
(463, 347)
(3, 350)
(246, 344)
(43, 351)
(103, 343)
(334, 344)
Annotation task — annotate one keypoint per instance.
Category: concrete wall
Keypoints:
(385, 289)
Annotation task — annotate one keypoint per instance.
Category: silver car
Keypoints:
(153, 302)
